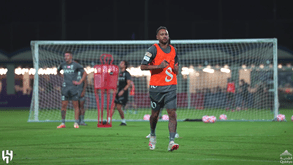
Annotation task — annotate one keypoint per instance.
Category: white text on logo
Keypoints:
(7, 156)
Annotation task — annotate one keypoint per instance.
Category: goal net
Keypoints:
(236, 77)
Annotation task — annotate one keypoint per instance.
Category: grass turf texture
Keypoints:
(200, 143)
(91, 114)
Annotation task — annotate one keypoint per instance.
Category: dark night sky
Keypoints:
(133, 10)
(184, 20)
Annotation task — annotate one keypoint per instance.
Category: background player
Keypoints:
(70, 86)
(81, 101)
(230, 95)
(244, 87)
(121, 99)
(162, 60)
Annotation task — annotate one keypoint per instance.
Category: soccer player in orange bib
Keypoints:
(162, 61)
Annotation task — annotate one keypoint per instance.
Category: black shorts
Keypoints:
(230, 96)
(79, 94)
(122, 99)
(166, 100)
(245, 96)
(81, 98)
(70, 94)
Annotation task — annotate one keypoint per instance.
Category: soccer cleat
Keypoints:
(148, 136)
(83, 123)
(62, 125)
(76, 125)
(173, 146)
(152, 142)
(123, 124)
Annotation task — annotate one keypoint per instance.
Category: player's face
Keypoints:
(163, 36)
(67, 57)
(122, 64)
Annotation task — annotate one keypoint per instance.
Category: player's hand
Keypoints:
(82, 94)
(163, 64)
(121, 93)
(176, 67)
(76, 82)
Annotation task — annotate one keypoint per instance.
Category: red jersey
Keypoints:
(231, 87)
(165, 76)
(132, 89)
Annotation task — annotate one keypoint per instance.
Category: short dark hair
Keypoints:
(68, 52)
(125, 63)
(160, 28)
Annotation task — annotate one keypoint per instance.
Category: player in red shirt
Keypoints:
(230, 95)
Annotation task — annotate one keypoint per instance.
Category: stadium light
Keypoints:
(225, 70)
(261, 66)
(17, 71)
(3, 71)
(42, 71)
(32, 71)
(47, 71)
(208, 69)
(137, 72)
(185, 71)
(280, 66)
(190, 69)
(89, 70)
(53, 71)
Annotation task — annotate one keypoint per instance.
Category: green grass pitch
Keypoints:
(182, 113)
(200, 143)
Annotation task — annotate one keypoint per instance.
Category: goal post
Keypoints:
(206, 69)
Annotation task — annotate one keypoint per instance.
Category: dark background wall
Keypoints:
(23, 21)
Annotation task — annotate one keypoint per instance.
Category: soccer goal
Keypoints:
(235, 77)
